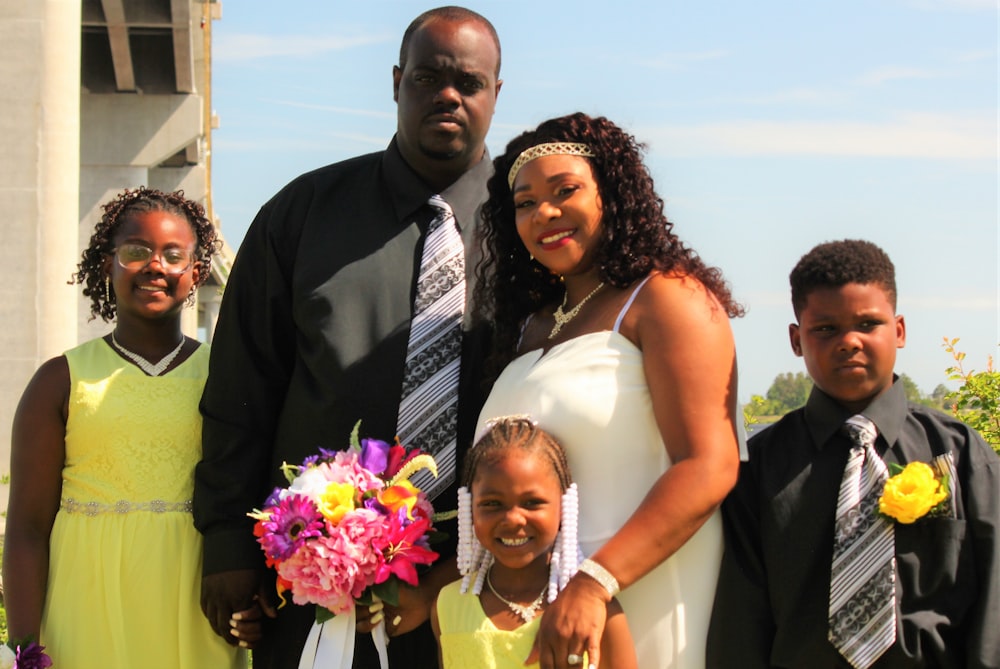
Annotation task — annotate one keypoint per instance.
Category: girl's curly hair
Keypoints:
(636, 237)
(90, 270)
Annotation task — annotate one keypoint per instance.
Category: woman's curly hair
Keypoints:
(90, 270)
(636, 237)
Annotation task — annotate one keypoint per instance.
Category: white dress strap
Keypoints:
(628, 303)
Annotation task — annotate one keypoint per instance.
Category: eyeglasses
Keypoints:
(136, 256)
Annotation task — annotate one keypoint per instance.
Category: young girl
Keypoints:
(101, 559)
(516, 536)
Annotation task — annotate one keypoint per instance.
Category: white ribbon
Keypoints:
(330, 645)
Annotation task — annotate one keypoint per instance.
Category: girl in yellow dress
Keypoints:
(517, 536)
(101, 560)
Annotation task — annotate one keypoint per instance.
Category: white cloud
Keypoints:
(912, 135)
(229, 48)
(881, 75)
(681, 60)
(368, 113)
(937, 5)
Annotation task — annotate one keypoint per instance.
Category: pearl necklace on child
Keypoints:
(562, 318)
(525, 612)
(146, 365)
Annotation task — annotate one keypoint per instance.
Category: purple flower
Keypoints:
(292, 521)
(374, 455)
(31, 656)
(273, 499)
(323, 455)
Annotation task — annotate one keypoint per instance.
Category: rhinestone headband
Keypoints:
(547, 149)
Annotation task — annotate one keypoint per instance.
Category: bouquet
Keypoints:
(346, 530)
(25, 654)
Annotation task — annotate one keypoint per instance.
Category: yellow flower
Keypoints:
(912, 493)
(336, 501)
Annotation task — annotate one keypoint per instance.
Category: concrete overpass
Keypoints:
(95, 96)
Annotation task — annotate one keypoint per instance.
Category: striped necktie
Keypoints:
(428, 412)
(862, 582)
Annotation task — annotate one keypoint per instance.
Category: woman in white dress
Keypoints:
(615, 337)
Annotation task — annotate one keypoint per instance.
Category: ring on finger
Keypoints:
(574, 659)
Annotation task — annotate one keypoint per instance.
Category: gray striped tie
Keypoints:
(428, 412)
(862, 581)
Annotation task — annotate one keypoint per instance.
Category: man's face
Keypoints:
(848, 337)
(446, 94)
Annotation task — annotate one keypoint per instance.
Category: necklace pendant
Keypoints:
(561, 317)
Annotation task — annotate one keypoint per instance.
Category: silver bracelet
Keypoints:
(601, 575)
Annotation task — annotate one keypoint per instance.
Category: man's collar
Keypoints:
(824, 415)
(409, 192)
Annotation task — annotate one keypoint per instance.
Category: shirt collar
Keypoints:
(825, 416)
(409, 193)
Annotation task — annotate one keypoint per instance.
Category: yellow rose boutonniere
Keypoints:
(912, 492)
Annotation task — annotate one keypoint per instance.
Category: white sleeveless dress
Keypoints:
(590, 393)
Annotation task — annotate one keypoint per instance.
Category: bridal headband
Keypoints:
(547, 149)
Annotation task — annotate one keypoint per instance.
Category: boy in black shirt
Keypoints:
(928, 590)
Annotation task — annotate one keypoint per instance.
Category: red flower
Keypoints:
(404, 546)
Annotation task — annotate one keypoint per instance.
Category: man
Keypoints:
(314, 327)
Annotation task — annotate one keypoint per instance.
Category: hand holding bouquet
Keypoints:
(348, 528)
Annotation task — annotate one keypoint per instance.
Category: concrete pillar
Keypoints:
(39, 174)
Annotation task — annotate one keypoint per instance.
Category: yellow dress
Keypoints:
(125, 558)
(469, 638)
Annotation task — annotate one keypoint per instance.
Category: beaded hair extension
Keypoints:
(473, 558)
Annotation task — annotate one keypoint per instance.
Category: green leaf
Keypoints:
(388, 591)
(895, 468)
(322, 615)
(355, 439)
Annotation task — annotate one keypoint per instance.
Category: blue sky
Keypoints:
(771, 126)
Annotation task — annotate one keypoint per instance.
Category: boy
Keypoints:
(928, 593)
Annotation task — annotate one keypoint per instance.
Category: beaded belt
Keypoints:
(122, 506)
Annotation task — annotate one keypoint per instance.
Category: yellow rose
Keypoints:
(912, 493)
(336, 501)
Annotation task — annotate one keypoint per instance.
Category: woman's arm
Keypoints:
(689, 359)
(690, 366)
(38, 452)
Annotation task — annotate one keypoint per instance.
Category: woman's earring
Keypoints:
(189, 301)
(107, 290)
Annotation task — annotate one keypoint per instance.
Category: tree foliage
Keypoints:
(977, 401)
(788, 391)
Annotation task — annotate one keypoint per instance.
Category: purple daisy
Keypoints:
(292, 521)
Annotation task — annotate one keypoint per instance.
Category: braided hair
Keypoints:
(90, 270)
(509, 433)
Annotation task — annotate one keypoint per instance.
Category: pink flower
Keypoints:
(331, 571)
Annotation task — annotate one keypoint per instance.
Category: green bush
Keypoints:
(977, 401)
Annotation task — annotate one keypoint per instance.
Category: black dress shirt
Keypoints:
(311, 338)
(773, 593)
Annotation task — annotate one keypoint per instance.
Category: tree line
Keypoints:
(976, 402)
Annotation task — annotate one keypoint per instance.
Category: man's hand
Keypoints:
(235, 592)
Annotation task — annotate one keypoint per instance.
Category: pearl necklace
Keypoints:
(146, 365)
(562, 318)
(524, 612)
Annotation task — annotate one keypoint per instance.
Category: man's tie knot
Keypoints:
(861, 430)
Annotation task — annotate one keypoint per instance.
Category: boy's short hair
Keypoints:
(835, 264)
